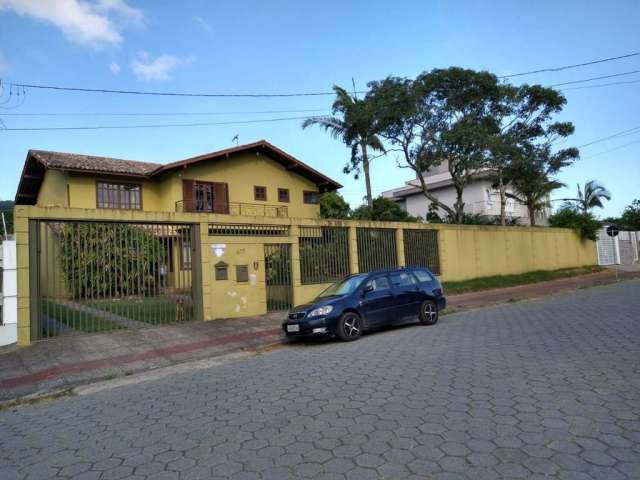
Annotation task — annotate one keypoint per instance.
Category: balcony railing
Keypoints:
(233, 208)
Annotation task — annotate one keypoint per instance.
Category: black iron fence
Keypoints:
(376, 248)
(98, 277)
(324, 254)
(421, 249)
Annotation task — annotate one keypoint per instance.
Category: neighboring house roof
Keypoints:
(39, 160)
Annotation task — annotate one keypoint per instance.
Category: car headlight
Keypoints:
(321, 311)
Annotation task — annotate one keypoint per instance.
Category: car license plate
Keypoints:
(293, 328)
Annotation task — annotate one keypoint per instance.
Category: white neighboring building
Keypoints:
(8, 293)
(479, 197)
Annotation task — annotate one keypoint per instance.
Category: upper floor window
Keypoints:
(283, 195)
(127, 196)
(260, 193)
(311, 197)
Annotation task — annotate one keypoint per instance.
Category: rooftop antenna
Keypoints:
(236, 139)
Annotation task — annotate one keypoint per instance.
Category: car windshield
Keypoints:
(343, 287)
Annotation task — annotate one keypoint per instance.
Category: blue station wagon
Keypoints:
(364, 301)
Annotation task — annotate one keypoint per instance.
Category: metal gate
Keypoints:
(93, 277)
(277, 261)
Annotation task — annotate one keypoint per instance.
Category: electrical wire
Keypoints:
(566, 67)
(623, 133)
(280, 95)
(601, 85)
(594, 78)
(158, 125)
(155, 114)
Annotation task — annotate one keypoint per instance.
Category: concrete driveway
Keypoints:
(539, 389)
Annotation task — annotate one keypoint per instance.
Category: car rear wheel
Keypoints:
(349, 327)
(428, 313)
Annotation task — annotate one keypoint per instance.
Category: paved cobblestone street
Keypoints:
(539, 389)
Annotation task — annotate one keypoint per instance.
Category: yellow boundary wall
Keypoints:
(466, 251)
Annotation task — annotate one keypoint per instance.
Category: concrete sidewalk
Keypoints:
(56, 365)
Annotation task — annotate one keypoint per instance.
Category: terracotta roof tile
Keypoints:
(74, 161)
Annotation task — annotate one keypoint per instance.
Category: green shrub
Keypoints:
(109, 260)
(584, 223)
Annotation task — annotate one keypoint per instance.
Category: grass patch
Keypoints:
(152, 310)
(75, 319)
(502, 281)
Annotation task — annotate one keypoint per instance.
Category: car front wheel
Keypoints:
(349, 327)
(428, 313)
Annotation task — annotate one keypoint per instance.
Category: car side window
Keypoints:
(379, 283)
(423, 275)
(402, 279)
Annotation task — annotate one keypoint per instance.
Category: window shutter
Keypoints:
(221, 198)
(188, 188)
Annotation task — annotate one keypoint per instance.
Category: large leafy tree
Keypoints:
(522, 115)
(354, 123)
(590, 196)
(384, 209)
(445, 115)
(631, 216)
(333, 205)
(531, 172)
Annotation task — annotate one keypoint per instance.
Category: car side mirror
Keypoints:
(366, 289)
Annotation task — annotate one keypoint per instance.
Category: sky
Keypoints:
(292, 46)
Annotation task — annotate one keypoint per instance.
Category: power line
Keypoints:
(158, 125)
(612, 149)
(601, 85)
(619, 134)
(154, 114)
(594, 78)
(566, 67)
(277, 95)
(259, 112)
(173, 94)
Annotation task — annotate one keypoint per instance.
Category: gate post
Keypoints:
(400, 247)
(34, 276)
(196, 272)
(296, 275)
(353, 250)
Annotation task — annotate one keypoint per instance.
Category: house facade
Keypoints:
(256, 179)
(479, 196)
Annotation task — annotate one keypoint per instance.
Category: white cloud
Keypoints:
(131, 15)
(114, 68)
(202, 22)
(160, 68)
(91, 24)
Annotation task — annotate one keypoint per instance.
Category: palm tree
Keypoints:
(535, 195)
(591, 196)
(352, 122)
(530, 176)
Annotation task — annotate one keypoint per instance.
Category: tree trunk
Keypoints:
(459, 206)
(367, 178)
(503, 201)
(532, 215)
(433, 199)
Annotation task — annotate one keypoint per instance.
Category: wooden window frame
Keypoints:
(310, 192)
(284, 190)
(119, 206)
(255, 193)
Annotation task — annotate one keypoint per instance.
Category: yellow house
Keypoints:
(257, 179)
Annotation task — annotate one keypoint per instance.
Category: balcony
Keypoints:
(513, 209)
(233, 208)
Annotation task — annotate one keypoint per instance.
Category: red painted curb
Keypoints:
(54, 372)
